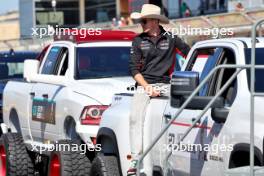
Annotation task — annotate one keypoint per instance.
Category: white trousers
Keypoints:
(139, 106)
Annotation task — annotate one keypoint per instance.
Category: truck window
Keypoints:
(222, 76)
(259, 83)
(199, 56)
(41, 56)
(179, 62)
(64, 62)
(102, 62)
(11, 70)
(51, 61)
(203, 61)
(56, 62)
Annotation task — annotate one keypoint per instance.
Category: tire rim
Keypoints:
(55, 166)
(2, 160)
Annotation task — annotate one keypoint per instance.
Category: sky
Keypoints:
(7, 5)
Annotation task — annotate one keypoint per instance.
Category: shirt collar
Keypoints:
(162, 33)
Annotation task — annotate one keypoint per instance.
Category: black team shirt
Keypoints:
(154, 56)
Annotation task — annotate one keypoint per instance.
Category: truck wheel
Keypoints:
(105, 166)
(68, 162)
(14, 158)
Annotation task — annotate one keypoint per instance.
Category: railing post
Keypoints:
(252, 92)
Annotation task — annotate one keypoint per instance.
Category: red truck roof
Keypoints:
(102, 35)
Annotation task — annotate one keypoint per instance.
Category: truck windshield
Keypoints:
(102, 62)
(11, 70)
(259, 84)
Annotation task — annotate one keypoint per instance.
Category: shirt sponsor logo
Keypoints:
(164, 45)
(145, 45)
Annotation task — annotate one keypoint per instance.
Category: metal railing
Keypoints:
(253, 94)
(239, 68)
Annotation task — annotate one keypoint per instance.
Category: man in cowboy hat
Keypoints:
(152, 57)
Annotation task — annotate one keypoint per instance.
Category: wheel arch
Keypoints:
(69, 128)
(107, 138)
(14, 123)
(241, 153)
(157, 171)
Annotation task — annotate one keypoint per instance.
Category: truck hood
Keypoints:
(102, 90)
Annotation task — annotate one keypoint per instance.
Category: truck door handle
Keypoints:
(45, 96)
(32, 94)
(193, 119)
(167, 116)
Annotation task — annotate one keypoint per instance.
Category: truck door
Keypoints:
(214, 138)
(188, 157)
(46, 110)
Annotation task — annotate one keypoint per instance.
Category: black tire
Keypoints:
(105, 166)
(18, 162)
(72, 163)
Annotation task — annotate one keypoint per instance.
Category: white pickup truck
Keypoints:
(219, 141)
(61, 101)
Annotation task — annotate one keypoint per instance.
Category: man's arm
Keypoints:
(140, 80)
(151, 91)
(183, 47)
(135, 65)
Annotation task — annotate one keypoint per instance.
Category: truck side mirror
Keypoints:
(31, 68)
(200, 102)
(182, 84)
(219, 115)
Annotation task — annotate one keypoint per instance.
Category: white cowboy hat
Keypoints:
(150, 11)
